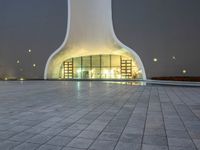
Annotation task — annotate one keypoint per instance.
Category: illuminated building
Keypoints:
(91, 49)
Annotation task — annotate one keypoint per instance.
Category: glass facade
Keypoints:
(100, 67)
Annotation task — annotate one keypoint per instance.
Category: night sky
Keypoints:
(153, 28)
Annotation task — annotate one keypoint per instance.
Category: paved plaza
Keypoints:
(61, 115)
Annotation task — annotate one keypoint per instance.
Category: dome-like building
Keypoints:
(91, 49)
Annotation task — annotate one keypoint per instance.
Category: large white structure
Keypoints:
(91, 49)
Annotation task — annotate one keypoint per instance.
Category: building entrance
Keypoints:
(99, 67)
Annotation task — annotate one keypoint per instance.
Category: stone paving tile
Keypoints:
(98, 116)
(80, 143)
(155, 132)
(180, 142)
(110, 136)
(133, 130)
(78, 126)
(177, 134)
(52, 131)
(194, 133)
(71, 148)
(39, 139)
(26, 146)
(19, 128)
(114, 129)
(181, 148)
(153, 147)
(131, 138)
(155, 140)
(197, 143)
(49, 147)
(36, 130)
(6, 134)
(96, 127)
(60, 141)
(7, 145)
(21, 137)
(89, 134)
(127, 146)
(103, 145)
(70, 132)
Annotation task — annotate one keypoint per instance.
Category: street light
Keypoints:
(34, 65)
(155, 59)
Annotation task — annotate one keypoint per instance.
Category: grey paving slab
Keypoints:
(89, 134)
(178, 142)
(49, 147)
(127, 146)
(155, 132)
(110, 136)
(197, 143)
(60, 141)
(7, 145)
(6, 134)
(133, 130)
(177, 134)
(23, 136)
(131, 138)
(39, 139)
(71, 148)
(153, 147)
(101, 144)
(70, 132)
(52, 131)
(51, 115)
(155, 140)
(80, 143)
(26, 146)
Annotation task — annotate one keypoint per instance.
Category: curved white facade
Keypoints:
(90, 32)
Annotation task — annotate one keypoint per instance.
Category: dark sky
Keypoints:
(153, 28)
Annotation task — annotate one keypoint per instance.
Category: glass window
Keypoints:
(105, 60)
(77, 73)
(115, 73)
(96, 61)
(115, 61)
(77, 62)
(105, 73)
(96, 73)
(92, 69)
(86, 61)
(86, 73)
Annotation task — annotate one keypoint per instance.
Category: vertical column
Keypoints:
(91, 67)
(81, 67)
(100, 66)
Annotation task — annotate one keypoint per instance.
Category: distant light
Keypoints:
(21, 69)
(155, 59)
(5, 78)
(173, 57)
(21, 79)
(34, 65)
(29, 50)
(184, 71)
(18, 61)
